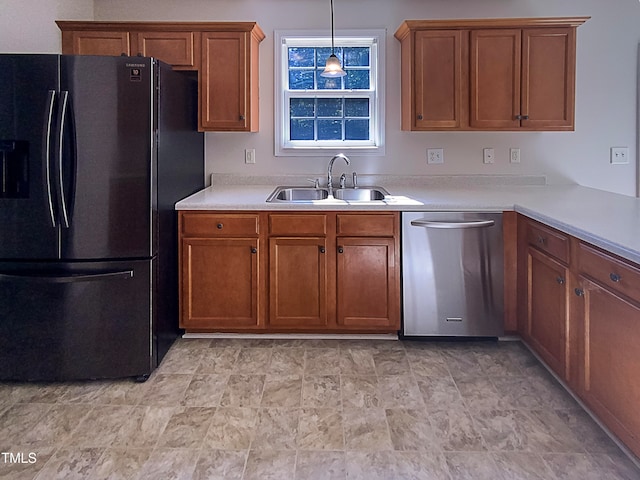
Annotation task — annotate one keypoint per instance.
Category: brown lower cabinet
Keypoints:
(579, 308)
(290, 272)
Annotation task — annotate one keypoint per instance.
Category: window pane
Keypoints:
(301, 57)
(329, 130)
(301, 129)
(356, 79)
(356, 56)
(330, 107)
(356, 107)
(322, 53)
(328, 83)
(301, 79)
(301, 107)
(356, 129)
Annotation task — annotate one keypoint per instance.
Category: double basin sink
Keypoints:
(313, 194)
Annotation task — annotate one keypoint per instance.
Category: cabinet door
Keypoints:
(219, 283)
(437, 77)
(99, 43)
(495, 79)
(368, 289)
(223, 81)
(612, 361)
(298, 282)
(548, 311)
(548, 78)
(174, 48)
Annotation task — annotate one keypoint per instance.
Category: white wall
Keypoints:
(28, 26)
(606, 82)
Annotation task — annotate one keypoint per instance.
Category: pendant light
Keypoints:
(332, 68)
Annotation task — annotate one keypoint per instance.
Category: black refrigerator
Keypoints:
(94, 153)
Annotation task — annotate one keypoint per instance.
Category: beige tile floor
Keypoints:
(314, 409)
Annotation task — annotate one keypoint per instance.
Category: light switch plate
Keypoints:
(619, 155)
(488, 155)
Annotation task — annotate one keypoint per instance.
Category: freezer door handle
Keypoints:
(46, 147)
(67, 277)
(451, 225)
(58, 167)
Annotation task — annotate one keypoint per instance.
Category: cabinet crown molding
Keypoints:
(485, 23)
(76, 25)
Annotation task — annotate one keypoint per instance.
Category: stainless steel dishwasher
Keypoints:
(452, 274)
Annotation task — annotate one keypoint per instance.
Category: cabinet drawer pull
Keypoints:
(340, 249)
(541, 240)
(615, 277)
(579, 292)
(525, 117)
(219, 226)
(560, 280)
(254, 250)
(322, 250)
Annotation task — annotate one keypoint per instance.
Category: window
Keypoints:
(315, 114)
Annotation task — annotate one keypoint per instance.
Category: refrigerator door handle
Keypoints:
(58, 167)
(67, 277)
(46, 146)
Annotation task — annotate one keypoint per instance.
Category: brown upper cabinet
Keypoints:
(228, 97)
(488, 74)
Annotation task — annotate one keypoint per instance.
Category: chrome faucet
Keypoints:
(330, 171)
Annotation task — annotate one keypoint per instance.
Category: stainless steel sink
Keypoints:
(298, 194)
(311, 194)
(360, 194)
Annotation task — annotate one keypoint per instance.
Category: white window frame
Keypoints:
(343, 38)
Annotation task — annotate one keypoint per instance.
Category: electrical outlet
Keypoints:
(619, 155)
(249, 155)
(435, 155)
(488, 155)
(514, 155)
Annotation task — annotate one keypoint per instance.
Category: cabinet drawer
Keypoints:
(609, 272)
(550, 241)
(297, 224)
(219, 225)
(361, 225)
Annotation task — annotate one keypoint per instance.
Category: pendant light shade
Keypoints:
(332, 68)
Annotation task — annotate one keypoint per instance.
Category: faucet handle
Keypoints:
(315, 181)
(343, 180)
(354, 177)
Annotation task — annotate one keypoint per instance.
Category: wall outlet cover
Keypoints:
(250, 155)
(514, 155)
(619, 155)
(435, 155)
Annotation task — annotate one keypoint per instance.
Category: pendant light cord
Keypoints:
(332, 48)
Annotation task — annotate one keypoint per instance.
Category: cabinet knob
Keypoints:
(419, 117)
(254, 250)
(322, 250)
(541, 240)
(560, 280)
(340, 249)
(522, 117)
(241, 117)
(579, 292)
(615, 277)
(219, 226)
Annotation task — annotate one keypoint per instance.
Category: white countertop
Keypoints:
(608, 220)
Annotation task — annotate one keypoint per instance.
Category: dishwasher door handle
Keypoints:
(437, 224)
